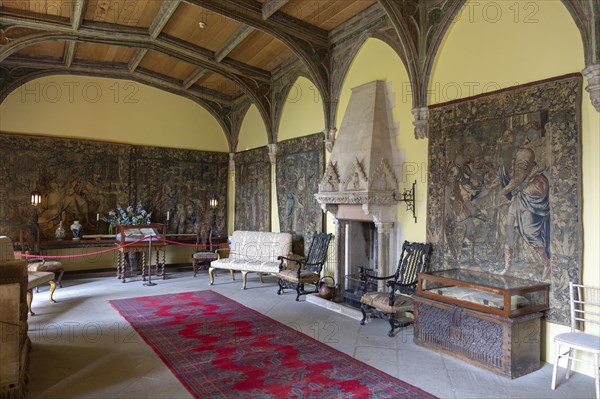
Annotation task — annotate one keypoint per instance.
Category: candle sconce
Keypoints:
(408, 196)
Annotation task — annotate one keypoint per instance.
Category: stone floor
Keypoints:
(82, 348)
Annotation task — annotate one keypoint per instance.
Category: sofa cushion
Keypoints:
(259, 246)
(380, 300)
(246, 265)
(306, 276)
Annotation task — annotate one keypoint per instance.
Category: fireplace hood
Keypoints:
(359, 182)
(360, 171)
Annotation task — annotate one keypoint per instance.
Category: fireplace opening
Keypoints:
(361, 251)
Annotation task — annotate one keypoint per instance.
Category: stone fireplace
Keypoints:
(358, 187)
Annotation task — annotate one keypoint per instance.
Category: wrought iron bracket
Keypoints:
(408, 196)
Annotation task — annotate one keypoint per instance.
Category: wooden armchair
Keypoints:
(401, 286)
(294, 273)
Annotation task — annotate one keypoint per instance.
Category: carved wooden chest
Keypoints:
(488, 320)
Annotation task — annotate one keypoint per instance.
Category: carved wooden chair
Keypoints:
(294, 273)
(204, 248)
(401, 286)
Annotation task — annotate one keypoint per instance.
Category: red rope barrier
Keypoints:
(118, 248)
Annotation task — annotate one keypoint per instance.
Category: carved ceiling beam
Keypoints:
(309, 43)
(134, 62)
(165, 13)
(122, 36)
(242, 32)
(115, 71)
(78, 13)
(250, 13)
(269, 7)
(69, 54)
(194, 77)
(408, 41)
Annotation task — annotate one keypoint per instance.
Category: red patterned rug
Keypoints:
(219, 348)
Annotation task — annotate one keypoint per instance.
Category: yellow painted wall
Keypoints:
(303, 111)
(113, 110)
(253, 133)
(388, 67)
(500, 44)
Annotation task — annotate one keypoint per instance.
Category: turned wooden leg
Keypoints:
(244, 274)
(260, 278)
(211, 271)
(144, 266)
(280, 284)
(52, 288)
(162, 264)
(232, 272)
(29, 299)
(194, 266)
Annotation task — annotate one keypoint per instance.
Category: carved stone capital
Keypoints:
(592, 74)
(272, 153)
(329, 138)
(231, 162)
(421, 122)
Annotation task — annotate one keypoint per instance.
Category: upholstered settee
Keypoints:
(252, 252)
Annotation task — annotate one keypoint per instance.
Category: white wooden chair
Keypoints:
(585, 310)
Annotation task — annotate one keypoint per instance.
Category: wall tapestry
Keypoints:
(80, 179)
(504, 189)
(299, 170)
(182, 182)
(253, 190)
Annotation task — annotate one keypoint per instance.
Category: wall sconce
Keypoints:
(36, 200)
(408, 196)
(213, 203)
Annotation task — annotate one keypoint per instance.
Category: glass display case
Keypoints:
(491, 293)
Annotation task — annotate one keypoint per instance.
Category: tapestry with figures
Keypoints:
(253, 190)
(504, 191)
(85, 180)
(299, 170)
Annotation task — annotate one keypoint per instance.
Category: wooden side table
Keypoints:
(128, 234)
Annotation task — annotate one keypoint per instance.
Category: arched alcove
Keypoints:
(114, 110)
(302, 112)
(378, 61)
(253, 133)
(512, 43)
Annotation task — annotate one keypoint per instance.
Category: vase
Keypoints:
(59, 233)
(76, 230)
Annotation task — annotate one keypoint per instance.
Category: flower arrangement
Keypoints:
(129, 215)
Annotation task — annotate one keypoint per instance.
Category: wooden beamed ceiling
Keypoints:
(225, 54)
(181, 40)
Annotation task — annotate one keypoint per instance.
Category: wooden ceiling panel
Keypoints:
(54, 8)
(325, 14)
(262, 51)
(138, 13)
(168, 66)
(219, 83)
(53, 48)
(103, 53)
(184, 25)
